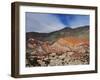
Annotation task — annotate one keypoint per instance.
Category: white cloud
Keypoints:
(43, 23)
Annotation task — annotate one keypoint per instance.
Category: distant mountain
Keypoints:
(80, 32)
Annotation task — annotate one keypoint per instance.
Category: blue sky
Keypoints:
(45, 23)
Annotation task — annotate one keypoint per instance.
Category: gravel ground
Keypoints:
(53, 59)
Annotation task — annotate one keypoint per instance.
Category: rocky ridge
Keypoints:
(62, 52)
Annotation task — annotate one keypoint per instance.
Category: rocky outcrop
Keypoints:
(64, 51)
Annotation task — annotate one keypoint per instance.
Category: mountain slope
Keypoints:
(81, 32)
(64, 47)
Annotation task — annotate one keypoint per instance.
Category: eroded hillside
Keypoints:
(64, 47)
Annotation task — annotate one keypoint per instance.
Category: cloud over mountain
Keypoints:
(46, 23)
(42, 23)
